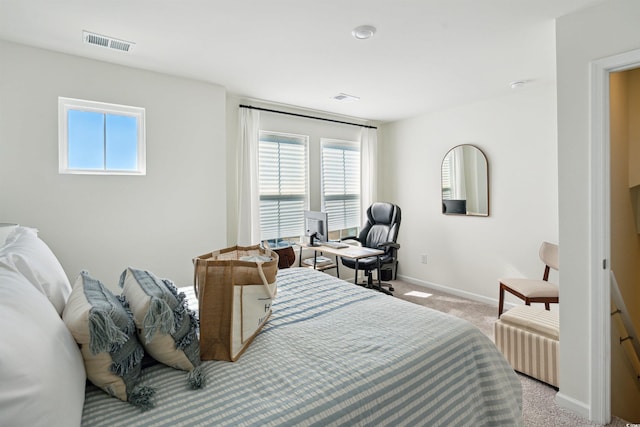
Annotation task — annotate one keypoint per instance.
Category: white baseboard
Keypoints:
(456, 292)
(573, 405)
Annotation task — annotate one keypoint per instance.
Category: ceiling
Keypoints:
(425, 55)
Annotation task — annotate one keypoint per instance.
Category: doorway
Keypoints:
(600, 205)
(624, 102)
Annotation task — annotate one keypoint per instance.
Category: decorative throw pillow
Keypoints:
(167, 328)
(103, 326)
(27, 254)
(42, 377)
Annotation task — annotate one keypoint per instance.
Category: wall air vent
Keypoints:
(108, 42)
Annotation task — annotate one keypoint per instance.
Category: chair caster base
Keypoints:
(375, 287)
(384, 291)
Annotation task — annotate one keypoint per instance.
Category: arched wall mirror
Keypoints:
(465, 182)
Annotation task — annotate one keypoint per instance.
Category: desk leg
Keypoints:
(337, 268)
(300, 258)
(356, 273)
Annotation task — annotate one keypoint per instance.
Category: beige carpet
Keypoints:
(539, 407)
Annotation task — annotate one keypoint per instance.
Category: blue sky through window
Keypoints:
(99, 141)
(122, 142)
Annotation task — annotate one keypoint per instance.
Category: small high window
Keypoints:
(99, 138)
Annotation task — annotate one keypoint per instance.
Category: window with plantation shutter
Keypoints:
(341, 184)
(283, 185)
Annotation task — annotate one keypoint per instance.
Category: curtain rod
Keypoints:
(305, 116)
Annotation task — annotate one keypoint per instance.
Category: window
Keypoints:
(283, 185)
(99, 138)
(341, 186)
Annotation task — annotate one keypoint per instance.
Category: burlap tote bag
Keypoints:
(235, 288)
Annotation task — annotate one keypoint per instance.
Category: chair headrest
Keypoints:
(382, 213)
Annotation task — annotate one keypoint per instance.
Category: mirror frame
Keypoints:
(461, 204)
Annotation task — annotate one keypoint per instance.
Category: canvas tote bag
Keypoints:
(235, 288)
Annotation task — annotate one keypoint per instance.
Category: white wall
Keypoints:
(105, 223)
(607, 29)
(469, 254)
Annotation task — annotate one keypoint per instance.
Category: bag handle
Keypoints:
(265, 283)
(195, 276)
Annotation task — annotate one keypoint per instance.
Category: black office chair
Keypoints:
(380, 231)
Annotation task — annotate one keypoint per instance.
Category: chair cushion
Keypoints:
(533, 319)
(532, 288)
(369, 263)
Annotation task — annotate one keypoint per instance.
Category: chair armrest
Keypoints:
(350, 238)
(389, 245)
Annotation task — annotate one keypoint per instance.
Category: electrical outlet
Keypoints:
(423, 258)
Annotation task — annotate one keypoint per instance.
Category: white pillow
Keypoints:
(27, 254)
(42, 376)
(5, 229)
(103, 326)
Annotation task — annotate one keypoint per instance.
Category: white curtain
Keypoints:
(368, 169)
(248, 183)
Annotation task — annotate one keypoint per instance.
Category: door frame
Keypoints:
(600, 225)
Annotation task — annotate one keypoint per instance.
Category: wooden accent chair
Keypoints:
(530, 290)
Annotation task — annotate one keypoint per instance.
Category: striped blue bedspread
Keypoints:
(333, 353)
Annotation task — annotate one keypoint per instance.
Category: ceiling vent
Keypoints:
(108, 42)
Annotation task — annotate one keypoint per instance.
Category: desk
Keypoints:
(351, 251)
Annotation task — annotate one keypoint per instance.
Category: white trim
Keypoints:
(66, 104)
(600, 241)
(580, 408)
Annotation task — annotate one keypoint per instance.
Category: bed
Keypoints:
(332, 353)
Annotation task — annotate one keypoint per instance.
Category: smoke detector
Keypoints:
(363, 32)
(105, 41)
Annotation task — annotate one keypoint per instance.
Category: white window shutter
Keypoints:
(283, 184)
(341, 184)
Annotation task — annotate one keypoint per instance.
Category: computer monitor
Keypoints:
(316, 227)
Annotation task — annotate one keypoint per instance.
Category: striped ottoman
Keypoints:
(529, 339)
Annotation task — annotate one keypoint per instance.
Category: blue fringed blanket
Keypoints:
(333, 353)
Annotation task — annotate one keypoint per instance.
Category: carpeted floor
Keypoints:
(539, 407)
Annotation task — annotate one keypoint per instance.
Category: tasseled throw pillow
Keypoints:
(103, 325)
(167, 328)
